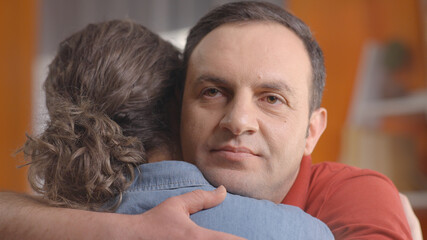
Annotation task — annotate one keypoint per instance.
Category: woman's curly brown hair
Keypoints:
(105, 95)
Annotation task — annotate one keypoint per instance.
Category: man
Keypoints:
(253, 120)
(250, 112)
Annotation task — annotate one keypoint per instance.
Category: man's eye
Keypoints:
(272, 99)
(211, 92)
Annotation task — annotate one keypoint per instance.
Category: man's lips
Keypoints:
(234, 153)
(234, 149)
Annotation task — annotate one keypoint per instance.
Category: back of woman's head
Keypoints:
(105, 95)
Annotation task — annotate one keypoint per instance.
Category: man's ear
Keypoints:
(317, 125)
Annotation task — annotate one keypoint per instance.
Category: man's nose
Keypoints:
(240, 117)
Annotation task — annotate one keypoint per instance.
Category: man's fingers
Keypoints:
(198, 200)
(171, 217)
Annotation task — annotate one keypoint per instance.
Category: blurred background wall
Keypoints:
(18, 40)
(375, 53)
(376, 90)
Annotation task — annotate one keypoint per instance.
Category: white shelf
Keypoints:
(412, 104)
(367, 107)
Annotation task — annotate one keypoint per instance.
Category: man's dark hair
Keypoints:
(262, 11)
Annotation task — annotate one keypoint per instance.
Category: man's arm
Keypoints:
(27, 217)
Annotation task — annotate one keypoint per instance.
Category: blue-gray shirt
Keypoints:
(241, 216)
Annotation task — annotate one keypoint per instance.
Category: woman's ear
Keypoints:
(316, 127)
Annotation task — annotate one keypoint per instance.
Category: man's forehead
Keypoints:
(268, 47)
(247, 37)
(242, 29)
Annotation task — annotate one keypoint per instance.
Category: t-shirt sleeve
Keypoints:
(360, 204)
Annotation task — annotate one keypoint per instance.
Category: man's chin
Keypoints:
(235, 181)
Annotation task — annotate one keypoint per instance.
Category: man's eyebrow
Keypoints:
(278, 86)
(212, 79)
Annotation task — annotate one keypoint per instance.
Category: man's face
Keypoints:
(245, 109)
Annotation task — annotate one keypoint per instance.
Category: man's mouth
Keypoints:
(232, 153)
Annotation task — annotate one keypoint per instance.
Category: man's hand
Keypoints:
(170, 219)
(27, 217)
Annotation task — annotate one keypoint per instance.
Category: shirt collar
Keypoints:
(166, 175)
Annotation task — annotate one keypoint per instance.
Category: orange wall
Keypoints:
(17, 51)
(341, 28)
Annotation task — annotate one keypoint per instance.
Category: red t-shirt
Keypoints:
(355, 203)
